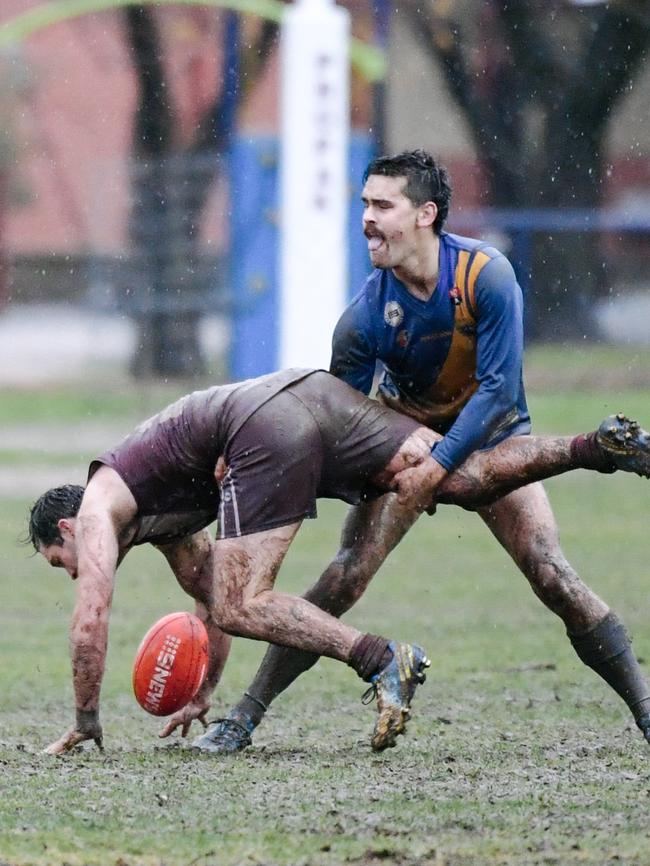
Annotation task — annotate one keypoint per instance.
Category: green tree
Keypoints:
(13, 80)
(170, 186)
(538, 84)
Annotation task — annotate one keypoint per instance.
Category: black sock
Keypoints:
(606, 649)
(248, 709)
(369, 655)
(586, 453)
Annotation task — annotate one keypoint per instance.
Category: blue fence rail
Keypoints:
(521, 225)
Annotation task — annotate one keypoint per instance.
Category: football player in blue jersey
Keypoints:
(443, 316)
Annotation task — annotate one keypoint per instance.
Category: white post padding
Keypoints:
(313, 180)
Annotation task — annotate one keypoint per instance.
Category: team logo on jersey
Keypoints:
(454, 294)
(393, 314)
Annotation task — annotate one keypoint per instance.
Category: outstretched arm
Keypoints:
(191, 561)
(106, 509)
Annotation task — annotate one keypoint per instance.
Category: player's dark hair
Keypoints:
(426, 180)
(45, 513)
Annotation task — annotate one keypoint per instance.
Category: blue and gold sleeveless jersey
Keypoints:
(453, 362)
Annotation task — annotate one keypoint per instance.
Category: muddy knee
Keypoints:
(555, 582)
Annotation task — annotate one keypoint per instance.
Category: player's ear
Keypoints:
(427, 214)
(66, 526)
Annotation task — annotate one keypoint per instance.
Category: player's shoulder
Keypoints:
(373, 287)
(486, 267)
(355, 316)
(369, 295)
(460, 243)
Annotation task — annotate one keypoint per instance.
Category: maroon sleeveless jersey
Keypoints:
(168, 462)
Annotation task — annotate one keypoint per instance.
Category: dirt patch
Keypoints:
(50, 443)
(19, 482)
(62, 438)
(593, 378)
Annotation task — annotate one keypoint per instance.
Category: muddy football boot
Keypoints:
(644, 725)
(225, 737)
(626, 444)
(394, 688)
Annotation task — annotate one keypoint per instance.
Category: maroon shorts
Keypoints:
(317, 438)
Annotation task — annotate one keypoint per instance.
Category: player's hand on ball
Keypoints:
(196, 709)
(75, 736)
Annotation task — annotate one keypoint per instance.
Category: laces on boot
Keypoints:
(369, 695)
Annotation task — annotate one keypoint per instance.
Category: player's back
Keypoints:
(168, 462)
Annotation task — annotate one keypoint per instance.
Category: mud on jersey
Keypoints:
(168, 462)
(453, 362)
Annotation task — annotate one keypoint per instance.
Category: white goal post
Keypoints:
(313, 179)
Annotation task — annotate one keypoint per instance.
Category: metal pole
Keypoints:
(382, 12)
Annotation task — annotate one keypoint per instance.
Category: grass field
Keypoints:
(516, 753)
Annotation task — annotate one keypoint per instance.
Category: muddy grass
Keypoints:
(516, 753)
(489, 783)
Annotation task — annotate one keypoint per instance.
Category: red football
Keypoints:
(170, 664)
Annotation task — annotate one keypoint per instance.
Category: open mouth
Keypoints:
(375, 241)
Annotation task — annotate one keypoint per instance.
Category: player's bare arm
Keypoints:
(191, 560)
(106, 511)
